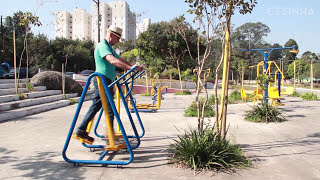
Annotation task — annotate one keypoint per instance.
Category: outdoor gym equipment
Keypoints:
(112, 144)
(126, 89)
(279, 76)
(154, 90)
(205, 75)
(257, 97)
(152, 108)
(266, 52)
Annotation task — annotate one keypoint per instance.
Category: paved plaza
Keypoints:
(31, 146)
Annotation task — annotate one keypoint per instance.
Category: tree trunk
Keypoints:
(179, 75)
(224, 96)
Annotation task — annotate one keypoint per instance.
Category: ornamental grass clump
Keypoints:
(264, 113)
(184, 92)
(310, 97)
(295, 94)
(234, 97)
(207, 150)
(192, 110)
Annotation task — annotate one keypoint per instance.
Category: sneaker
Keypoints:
(83, 136)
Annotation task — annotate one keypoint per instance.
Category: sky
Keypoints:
(287, 19)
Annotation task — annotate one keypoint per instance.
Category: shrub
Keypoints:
(207, 150)
(264, 113)
(310, 97)
(72, 101)
(146, 94)
(192, 110)
(295, 94)
(184, 92)
(21, 96)
(29, 86)
(234, 97)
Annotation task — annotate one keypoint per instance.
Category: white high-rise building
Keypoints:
(114, 13)
(142, 27)
(81, 21)
(63, 24)
(81, 25)
(75, 25)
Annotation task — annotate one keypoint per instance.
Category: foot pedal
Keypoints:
(82, 140)
(116, 147)
(116, 135)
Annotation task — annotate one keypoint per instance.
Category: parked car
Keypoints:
(86, 72)
(22, 73)
(70, 74)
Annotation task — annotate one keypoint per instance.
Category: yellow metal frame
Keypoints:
(110, 133)
(149, 106)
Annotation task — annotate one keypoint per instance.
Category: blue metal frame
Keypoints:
(125, 82)
(266, 52)
(125, 137)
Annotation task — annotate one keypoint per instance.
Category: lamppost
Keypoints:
(98, 4)
(2, 36)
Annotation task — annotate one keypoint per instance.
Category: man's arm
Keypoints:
(122, 63)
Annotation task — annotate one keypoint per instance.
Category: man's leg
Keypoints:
(94, 108)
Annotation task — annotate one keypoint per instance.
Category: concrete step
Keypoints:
(20, 90)
(35, 102)
(8, 98)
(7, 81)
(41, 94)
(29, 102)
(27, 111)
(12, 85)
(88, 97)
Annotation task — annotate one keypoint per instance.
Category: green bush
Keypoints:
(21, 96)
(29, 86)
(146, 94)
(264, 113)
(72, 101)
(184, 92)
(295, 94)
(207, 150)
(192, 110)
(234, 97)
(310, 97)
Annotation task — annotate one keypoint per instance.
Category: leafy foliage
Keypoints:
(234, 97)
(146, 94)
(207, 150)
(264, 113)
(192, 110)
(262, 79)
(184, 92)
(310, 97)
(21, 96)
(29, 86)
(295, 94)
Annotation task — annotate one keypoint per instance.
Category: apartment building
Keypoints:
(63, 24)
(81, 24)
(75, 25)
(142, 27)
(114, 13)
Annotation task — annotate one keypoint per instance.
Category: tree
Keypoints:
(161, 45)
(289, 57)
(251, 34)
(303, 65)
(26, 20)
(208, 13)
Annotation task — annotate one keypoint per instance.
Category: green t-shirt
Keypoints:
(103, 66)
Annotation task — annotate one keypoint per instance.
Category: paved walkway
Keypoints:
(31, 147)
